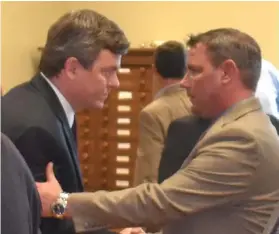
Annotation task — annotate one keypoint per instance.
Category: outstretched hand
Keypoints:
(49, 191)
(135, 230)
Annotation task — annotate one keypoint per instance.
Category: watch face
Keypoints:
(58, 209)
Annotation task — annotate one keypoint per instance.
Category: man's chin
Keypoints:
(99, 105)
(195, 111)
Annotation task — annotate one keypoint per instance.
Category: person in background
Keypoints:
(268, 89)
(77, 70)
(225, 185)
(170, 103)
(182, 136)
(20, 201)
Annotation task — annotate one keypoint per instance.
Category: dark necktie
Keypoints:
(74, 130)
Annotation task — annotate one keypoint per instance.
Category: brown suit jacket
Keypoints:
(170, 103)
(227, 185)
(272, 226)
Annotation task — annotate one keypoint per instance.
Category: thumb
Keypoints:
(126, 231)
(137, 230)
(49, 172)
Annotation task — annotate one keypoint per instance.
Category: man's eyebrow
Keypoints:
(109, 68)
(192, 67)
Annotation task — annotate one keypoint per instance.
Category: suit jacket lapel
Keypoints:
(57, 108)
(237, 111)
(74, 131)
(73, 149)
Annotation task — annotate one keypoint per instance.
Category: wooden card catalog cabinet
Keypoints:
(108, 138)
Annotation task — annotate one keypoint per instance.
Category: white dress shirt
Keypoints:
(268, 89)
(65, 104)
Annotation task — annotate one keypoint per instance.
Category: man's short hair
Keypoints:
(229, 43)
(81, 34)
(170, 60)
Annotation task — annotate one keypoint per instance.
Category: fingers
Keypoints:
(38, 185)
(136, 230)
(49, 172)
(126, 231)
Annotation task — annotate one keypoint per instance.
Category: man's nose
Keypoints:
(185, 82)
(114, 83)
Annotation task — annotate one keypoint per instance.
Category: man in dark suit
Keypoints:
(78, 68)
(182, 136)
(20, 202)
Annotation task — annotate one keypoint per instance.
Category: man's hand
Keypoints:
(49, 191)
(135, 230)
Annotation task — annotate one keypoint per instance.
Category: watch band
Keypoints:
(64, 196)
(58, 208)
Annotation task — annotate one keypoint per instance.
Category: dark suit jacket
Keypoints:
(20, 202)
(35, 121)
(275, 122)
(182, 136)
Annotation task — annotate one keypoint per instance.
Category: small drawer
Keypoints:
(135, 78)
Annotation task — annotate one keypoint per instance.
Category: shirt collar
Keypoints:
(167, 88)
(65, 104)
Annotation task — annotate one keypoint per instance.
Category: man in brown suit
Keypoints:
(170, 103)
(228, 184)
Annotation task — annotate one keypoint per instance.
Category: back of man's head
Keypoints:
(170, 60)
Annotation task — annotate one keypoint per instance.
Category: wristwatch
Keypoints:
(58, 208)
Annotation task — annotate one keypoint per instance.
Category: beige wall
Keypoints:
(24, 28)
(23, 31)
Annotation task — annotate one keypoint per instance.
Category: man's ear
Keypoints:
(70, 67)
(229, 69)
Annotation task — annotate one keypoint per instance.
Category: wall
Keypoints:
(145, 21)
(142, 22)
(24, 28)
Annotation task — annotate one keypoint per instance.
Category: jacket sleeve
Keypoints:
(221, 172)
(151, 143)
(20, 200)
(38, 148)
